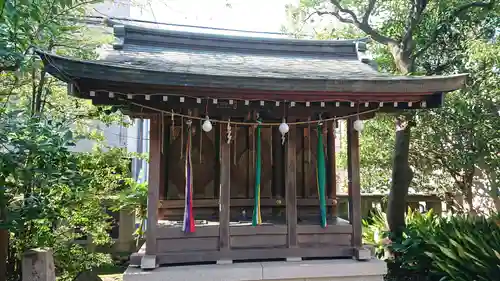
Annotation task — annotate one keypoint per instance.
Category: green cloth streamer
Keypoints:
(257, 218)
(321, 176)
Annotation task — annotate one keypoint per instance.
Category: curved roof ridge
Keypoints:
(148, 36)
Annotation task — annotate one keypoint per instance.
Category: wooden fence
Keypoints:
(369, 202)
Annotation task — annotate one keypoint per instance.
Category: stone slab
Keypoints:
(213, 272)
(324, 270)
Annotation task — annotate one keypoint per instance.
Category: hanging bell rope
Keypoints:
(264, 124)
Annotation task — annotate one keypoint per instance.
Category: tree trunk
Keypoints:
(489, 181)
(404, 63)
(4, 234)
(4, 246)
(494, 191)
(468, 205)
(402, 176)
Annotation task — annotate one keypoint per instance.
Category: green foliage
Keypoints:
(375, 230)
(376, 143)
(135, 199)
(51, 25)
(454, 148)
(46, 196)
(35, 161)
(408, 252)
(446, 248)
(35, 23)
(466, 248)
(462, 138)
(71, 259)
(107, 168)
(50, 196)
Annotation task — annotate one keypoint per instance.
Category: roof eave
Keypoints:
(68, 69)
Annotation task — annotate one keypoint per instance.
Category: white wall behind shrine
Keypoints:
(134, 137)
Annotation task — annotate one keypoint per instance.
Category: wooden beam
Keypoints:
(301, 202)
(307, 161)
(153, 183)
(225, 185)
(332, 167)
(291, 189)
(237, 109)
(354, 182)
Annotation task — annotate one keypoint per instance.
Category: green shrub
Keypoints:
(466, 248)
(409, 252)
(458, 248)
(375, 230)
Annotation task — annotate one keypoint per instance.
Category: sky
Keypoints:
(255, 15)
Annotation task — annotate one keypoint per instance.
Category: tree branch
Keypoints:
(369, 10)
(333, 13)
(362, 25)
(414, 17)
(457, 12)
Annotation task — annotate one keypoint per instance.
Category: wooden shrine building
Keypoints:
(242, 155)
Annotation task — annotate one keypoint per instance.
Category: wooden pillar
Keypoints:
(149, 261)
(291, 188)
(224, 192)
(251, 161)
(217, 137)
(332, 168)
(278, 163)
(165, 142)
(307, 161)
(354, 186)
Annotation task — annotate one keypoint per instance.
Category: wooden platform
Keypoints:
(324, 270)
(247, 242)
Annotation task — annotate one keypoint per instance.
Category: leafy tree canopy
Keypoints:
(452, 147)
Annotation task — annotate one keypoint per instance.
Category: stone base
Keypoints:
(148, 262)
(38, 265)
(324, 270)
(362, 254)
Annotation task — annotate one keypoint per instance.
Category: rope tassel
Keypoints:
(257, 218)
(188, 225)
(321, 177)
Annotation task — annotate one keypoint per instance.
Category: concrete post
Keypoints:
(38, 265)
(126, 230)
